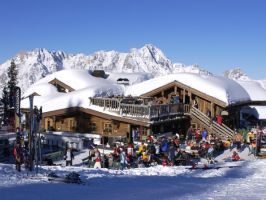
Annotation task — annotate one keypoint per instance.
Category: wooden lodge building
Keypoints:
(164, 108)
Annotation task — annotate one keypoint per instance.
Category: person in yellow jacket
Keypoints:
(227, 144)
(251, 136)
(142, 148)
(145, 159)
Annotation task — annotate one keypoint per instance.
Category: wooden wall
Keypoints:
(117, 128)
(85, 123)
(187, 95)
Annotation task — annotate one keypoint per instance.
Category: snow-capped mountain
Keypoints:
(36, 64)
(236, 74)
(179, 67)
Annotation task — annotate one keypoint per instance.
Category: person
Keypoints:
(134, 135)
(145, 158)
(235, 156)
(171, 153)
(253, 148)
(69, 157)
(130, 148)
(195, 103)
(142, 148)
(210, 152)
(250, 136)
(208, 113)
(204, 134)
(123, 160)
(157, 148)
(18, 156)
(164, 146)
(238, 140)
(164, 162)
(190, 133)
(219, 119)
(227, 143)
(98, 160)
(197, 135)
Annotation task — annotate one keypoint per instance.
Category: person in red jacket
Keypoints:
(164, 162)
(219, 119)
(235, 156)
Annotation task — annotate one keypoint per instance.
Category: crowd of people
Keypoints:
(164, 150)
(171, 151)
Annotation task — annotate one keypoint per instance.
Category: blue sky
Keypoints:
(217, 35)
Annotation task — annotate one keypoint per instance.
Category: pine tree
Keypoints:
(12, 74)
(8, 96)
(5, 100)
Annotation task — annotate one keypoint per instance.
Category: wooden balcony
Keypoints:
(145, 110)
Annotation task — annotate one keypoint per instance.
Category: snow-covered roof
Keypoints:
(254, 90)
(80, 98)
(221, 88)
(260, 111)
(85, 85)
(133, 78)
(51, 100)
(42, 89)
(76, 79)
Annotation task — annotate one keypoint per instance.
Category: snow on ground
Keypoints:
(246, 181)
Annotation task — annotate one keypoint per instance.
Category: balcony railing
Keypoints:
(148, 111)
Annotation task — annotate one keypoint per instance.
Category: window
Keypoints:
(93, 126)
(108, 128)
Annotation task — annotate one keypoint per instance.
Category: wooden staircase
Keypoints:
(221, 131)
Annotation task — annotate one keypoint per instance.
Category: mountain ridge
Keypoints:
(40, 62)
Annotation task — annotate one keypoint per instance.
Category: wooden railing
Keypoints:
(222, 131)
(141, 111)
(112, 104)
(133, 110)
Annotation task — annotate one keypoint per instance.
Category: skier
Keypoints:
(18, 156)
(69, 157)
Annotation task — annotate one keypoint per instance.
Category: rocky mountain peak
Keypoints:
(36, 64)
(236, 74)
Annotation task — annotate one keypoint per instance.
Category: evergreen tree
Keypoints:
(8, 96)
(12, 74)
(5, 101)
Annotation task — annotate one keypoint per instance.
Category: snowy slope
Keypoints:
(245, 181)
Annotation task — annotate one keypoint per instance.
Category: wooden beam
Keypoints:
(185, 87)
(212, 109)
(184, 95)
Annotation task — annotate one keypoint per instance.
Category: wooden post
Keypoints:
(184, 95)
(212, 110)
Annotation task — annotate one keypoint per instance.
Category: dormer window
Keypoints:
(60, 86)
